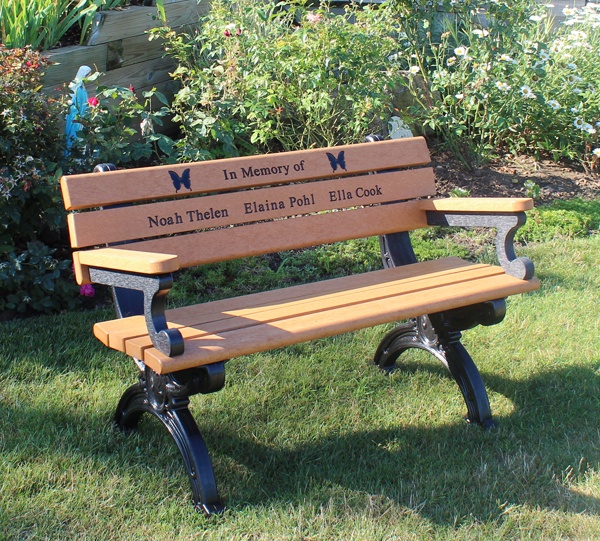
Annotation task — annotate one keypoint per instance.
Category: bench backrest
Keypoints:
(223, 209)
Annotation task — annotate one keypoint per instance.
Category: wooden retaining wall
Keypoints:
(119, 48)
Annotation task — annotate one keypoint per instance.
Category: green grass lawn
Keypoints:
(312, 442)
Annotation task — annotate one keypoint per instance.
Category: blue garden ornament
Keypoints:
(79, 104)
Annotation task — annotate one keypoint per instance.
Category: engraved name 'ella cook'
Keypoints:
(359, 193)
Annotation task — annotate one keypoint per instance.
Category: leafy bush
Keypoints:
(116, 126)
(259, 77)
(30, 215)
(35, 264)
(496, 77)
(32, 281)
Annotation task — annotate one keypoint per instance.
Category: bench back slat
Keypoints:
(116, 187)
(224, 209)
(300, 232)
(190, 214)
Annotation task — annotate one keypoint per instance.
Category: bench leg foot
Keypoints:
(428, 333)
(167, 398)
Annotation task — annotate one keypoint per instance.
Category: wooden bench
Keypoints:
(132, 229)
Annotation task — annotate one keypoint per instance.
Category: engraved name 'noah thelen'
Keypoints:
(189, 216)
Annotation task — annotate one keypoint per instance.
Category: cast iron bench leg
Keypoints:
(430, 334)
(167, 398)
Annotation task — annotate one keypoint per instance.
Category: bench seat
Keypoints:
(222, 330)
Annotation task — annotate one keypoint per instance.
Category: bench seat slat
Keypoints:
(116, 332)
(355, 295)
(261, 322)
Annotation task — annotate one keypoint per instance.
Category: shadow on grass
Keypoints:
(451, 471)
(457, 470)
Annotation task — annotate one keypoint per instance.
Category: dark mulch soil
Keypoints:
(507, 178)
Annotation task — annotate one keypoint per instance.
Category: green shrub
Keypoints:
(30, 207)
(117, 126)
(258, 77)
(496, 77)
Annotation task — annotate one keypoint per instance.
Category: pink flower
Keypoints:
(239, 32)
(93, 101)
(87, 290)
(227, 34)
(132, 89)
(313, 17)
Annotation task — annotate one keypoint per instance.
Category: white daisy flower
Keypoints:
(501, 85)
(554, 104)
(506, 58)
(544, 55)
(578, 35)
(526, 92)
(596, 152)
(460, 51)
(579, 123)
(414, 70)
(451, 61)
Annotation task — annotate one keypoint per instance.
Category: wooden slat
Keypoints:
(227, 344)
(66, 62)
(114, 187)
(348, 304)
(346, 295)
(151, 72)
(293, 233)
(215, 348)
(182, 215)
(479, 204)
(116, 331)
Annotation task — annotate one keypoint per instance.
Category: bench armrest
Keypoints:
(505, 215)
(479, 205)
(122, 260)
(149, 273)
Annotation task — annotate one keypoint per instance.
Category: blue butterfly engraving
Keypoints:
(339, 161)
(179, 180)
